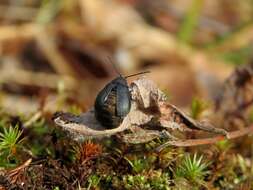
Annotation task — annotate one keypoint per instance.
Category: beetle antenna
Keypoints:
(141, 73)
(109, 60)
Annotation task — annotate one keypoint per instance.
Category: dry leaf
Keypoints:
(236, 96)
(150, 117)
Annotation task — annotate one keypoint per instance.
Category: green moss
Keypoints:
(10, 144)
(194, 169)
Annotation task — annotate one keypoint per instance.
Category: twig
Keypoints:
(16, 173)
(47, 45)
(15, 104)
(40, 79)
(22, 13)
(11, 32)
(205, 141)
(33, 119)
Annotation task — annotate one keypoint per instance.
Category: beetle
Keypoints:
(113, 102)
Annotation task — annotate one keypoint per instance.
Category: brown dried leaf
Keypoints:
(146, 93)
(172, 116)
(148, 109)
(237, 95)
(86, 125)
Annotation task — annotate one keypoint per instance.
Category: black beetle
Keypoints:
(113, 102)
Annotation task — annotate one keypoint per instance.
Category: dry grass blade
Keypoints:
(33, 119)
(16, 174)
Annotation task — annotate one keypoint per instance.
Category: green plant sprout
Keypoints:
(138, 165)
(135, 182)
(10, 139)
(190, 21)
(192, 169)
(93, 181)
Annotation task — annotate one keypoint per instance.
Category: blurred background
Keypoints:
(54, 53)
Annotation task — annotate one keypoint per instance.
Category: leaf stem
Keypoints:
(205, 141)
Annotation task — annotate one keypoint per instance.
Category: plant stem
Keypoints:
(205, 141)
